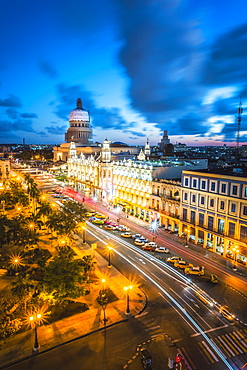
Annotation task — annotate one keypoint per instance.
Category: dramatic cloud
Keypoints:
(28, 115)
(11, 101)
(227, 60)
(162, 57)
(101, 117)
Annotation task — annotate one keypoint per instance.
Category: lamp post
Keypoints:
(35, 320)
(186, 237)
(127, 288)
(154, 227)
(235, 251)
(109, 256)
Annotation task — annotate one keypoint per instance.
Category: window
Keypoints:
(245, 192)
(203, 184)
(194, 183)
(186, 181)
(201, 219)
(223, 188)
(185, 196)
(193, 198)
(231, 228)
(221, 224)
(233, 207)
(210, 223)
(202, 200)
(211, 203)
(234, 190)
(193, 217)
(184, 214)
(245, 211)
(243, 233)
(213, 186)
(222, 205)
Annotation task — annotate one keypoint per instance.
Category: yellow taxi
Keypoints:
(205, 298)
(99, 215)
(195, 270)
(182, 264)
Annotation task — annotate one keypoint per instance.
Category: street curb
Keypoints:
(76, 338)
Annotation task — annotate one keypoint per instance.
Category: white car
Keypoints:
(143, 239)
(162, 250)
(136, 236)
(151, 244)
(139, 242)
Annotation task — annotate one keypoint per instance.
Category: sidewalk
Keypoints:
(76, 326)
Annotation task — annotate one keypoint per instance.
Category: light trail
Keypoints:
(172, 299)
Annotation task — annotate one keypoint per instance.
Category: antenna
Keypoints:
(240, 111)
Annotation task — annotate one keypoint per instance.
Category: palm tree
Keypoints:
(23, 288)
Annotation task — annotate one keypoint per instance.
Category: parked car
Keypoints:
(143, 239)
(126, 235)
(173, 259)
(195, 270)
(152, 244)
(110, 227)
(162, 250)
(100, 215)
(147, 247)
(139, 242)
(98, 221)
(182, 264)
(146, 358)
(136, 236)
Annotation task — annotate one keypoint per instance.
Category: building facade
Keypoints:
(214, 212)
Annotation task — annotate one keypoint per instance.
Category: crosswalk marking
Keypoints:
(234, 344)
(229, 344)
(211, 352)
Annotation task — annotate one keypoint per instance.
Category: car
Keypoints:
(136, 236)
(100, 215)
(162, 250)
(122, 228)
(143, 239)
(147, 247)
(152, 244)
(89, 214)
(108, 222)
(139, 242)
(205, 298)
(98, 221)
(225, 312)
(182, 264)
(146, 358)
(110, 227)
(195, 270)
(126, 235)
(173, 259)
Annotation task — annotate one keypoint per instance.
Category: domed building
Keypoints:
(80, 130)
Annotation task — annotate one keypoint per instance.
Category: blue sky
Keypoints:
(140, 67)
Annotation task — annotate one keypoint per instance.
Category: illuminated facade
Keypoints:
(214, 212)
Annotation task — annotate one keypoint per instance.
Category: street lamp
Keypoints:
(127, 289)
(109, 257)
(186, 237)
(35, 321)
(235, 251)
(154, 226)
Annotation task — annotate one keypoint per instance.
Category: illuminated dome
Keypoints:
(80, 130)
(79, 114)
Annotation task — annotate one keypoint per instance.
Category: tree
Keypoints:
(23, 288)
(88, 265)
(10, 323)
(63, 279)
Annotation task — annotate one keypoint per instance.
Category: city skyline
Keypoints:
(139, 67)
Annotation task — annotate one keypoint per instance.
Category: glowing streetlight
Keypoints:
(35, 320)
(127, 289)
(153, 227)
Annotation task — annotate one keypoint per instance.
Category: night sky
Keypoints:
(139, 66)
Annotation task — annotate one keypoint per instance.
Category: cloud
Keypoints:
(56, 130)
(28, 115)
(48, 69)
(135, 133)
(12, 113)
(105, 118)
(162, 57)
(226, 64)
(11, 101)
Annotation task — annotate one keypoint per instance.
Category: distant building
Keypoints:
(4, 169)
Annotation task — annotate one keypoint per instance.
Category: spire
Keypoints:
(79, 103)
(240, 111)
